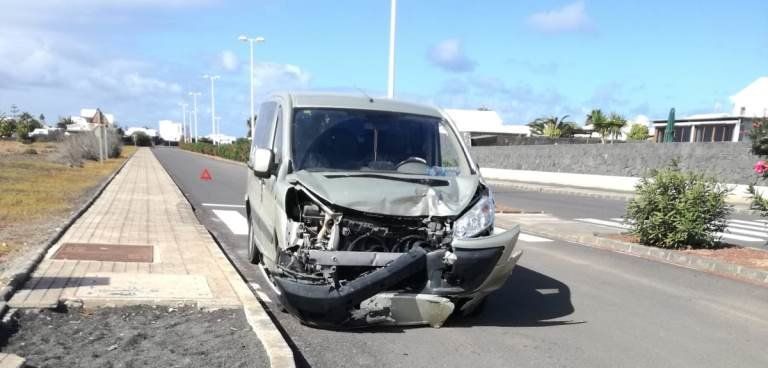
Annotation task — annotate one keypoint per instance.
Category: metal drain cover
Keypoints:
(105, 252)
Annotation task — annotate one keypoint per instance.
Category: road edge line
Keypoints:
(20, 272)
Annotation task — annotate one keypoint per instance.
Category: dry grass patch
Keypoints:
(34, 191)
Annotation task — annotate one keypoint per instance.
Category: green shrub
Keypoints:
(676, 209)
(638, 132)
(237, 151)
(142, 139)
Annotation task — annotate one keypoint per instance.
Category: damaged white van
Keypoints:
(370, 211)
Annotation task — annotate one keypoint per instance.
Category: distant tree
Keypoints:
(7, 126)
(553, 127)
(63, 122)
(616, 123)
(141, 139)
(599, 123)
(42, 117)
(25, 125)
(638, 132)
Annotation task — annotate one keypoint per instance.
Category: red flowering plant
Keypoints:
(759, 137)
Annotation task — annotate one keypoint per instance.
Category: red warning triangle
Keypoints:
(205, 175)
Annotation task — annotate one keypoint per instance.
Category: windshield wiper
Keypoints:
(422, 181)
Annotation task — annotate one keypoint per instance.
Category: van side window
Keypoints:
(277, 145)
(264, 122)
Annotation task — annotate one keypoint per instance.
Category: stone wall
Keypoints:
(730, 162)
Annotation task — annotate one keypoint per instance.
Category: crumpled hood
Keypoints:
(391, 194)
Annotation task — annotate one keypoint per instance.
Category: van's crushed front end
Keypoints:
(416, 254)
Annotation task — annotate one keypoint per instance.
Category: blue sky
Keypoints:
(140, 58)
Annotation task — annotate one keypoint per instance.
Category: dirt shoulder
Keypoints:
(137, 336)
(39, 193)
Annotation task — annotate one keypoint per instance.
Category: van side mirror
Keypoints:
(263, 161)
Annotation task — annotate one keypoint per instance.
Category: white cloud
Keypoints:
(229, 61)
(268, 77)
(569, 18)
(449, 55)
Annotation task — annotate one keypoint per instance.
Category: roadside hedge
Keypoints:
(678, 209)
(237, 151)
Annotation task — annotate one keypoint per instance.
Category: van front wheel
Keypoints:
(254, 256)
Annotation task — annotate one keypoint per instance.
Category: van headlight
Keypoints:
(477, 219)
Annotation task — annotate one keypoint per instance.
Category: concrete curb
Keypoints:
(670, 256)
(19, 273)
(587, 192)
(582, 192)
(278, 351)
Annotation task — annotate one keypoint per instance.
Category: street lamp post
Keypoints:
(194, 111)
(213, 78)
(184, 132)
(391, 74)
(251, 41)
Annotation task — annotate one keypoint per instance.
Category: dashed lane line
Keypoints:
(236, 222)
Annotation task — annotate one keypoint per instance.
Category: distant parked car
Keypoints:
(366, 211)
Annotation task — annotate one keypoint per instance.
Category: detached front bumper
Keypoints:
(481, 266)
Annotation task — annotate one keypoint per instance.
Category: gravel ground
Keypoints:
(137, 336)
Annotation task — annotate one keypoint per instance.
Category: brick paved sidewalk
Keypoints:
(141, 213)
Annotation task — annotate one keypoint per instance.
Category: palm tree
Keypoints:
(599, 123)
(552, 127)
(616, 123)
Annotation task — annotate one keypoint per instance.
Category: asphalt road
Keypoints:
(564, 305)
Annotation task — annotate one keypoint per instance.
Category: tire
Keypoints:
(254, 256)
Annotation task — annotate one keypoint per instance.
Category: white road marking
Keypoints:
(266, 278)
(223, 205)
(749, 223)
(260, 293)
(532, 238)
(732, 232)
(741, 226)
(236, 222)
(736, 230)
(548, 291)
(604, 223)
(739, 237)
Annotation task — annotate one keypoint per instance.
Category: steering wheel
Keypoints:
(412, 160)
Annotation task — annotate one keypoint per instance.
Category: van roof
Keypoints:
(361, 102)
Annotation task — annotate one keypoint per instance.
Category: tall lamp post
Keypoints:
(194, 111)
(213, 78)
(251, 41)
(391, 74)
(184, 131)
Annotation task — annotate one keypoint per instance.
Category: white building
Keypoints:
(748, 104)
(152, 133)
(484, 127)
(752, 101)
(221, 138)
(170, 131)
(84, 122)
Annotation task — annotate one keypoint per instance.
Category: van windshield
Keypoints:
(326, 139)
